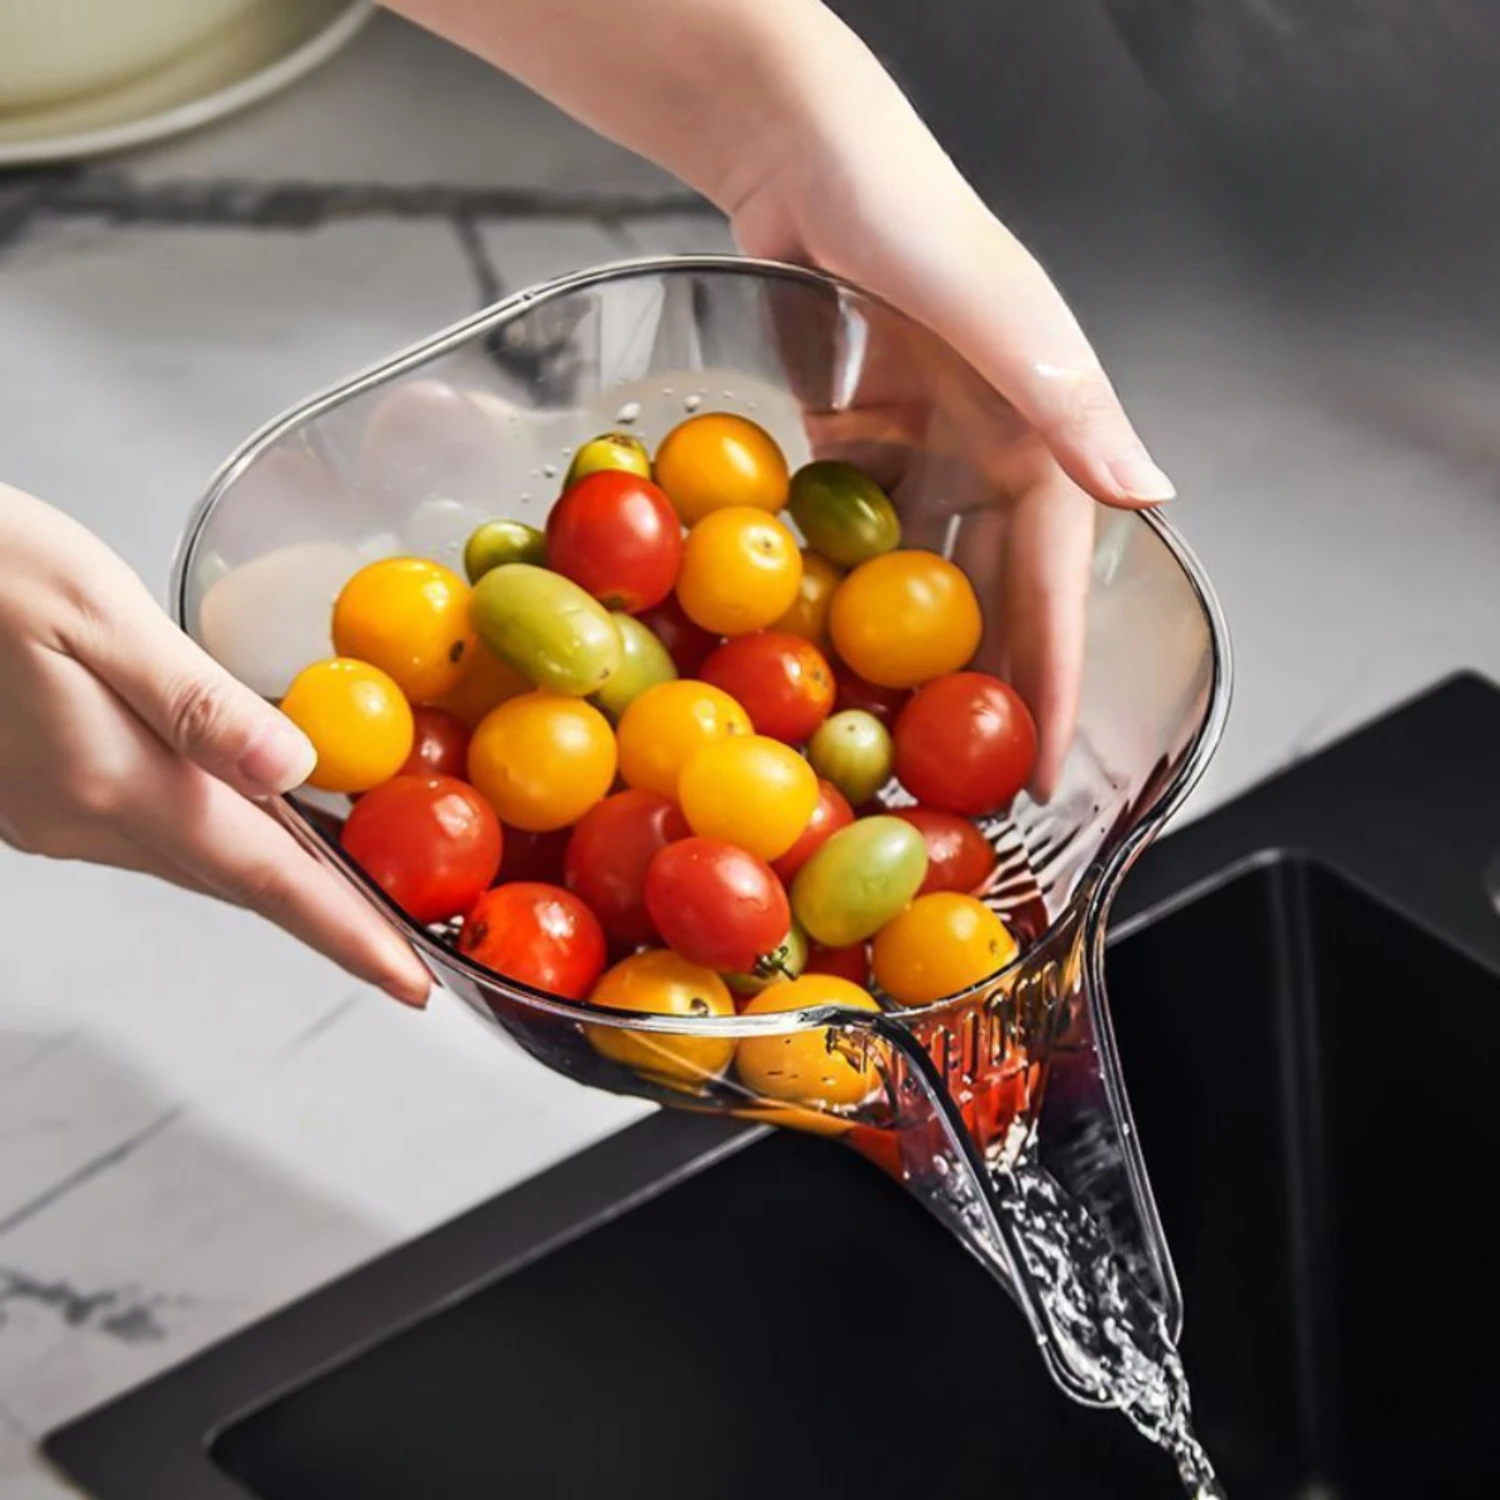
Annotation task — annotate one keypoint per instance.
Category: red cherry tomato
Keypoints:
(832, 813)
(959, 857)
(715, 905)
(610, 851)
(854, 692)
(431, 843)
(781, 680)
(534, 856)
(688, 645)
(440, 743)
(852, 963)
(536, 934)
(617, 536)
(965, 743)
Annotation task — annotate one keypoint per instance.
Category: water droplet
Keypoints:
(692, 403)
(666, 390)
(526, 499)
(567, 453)
(727, 395)
(549, 471)
(630, 412)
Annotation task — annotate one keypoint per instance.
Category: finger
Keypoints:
(191, 702)
(978, 287)
(236, 850)
(1048, 551)
(126, 854)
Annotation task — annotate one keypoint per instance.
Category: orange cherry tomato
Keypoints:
(717, 459)
(486, 683)
(542, 760)
(358, 722)
(939, 946)
(659, 982)
(905, 618)
(740, 571)
(817, 1065)
(750, 791)
(664, 727)
(410, 618)
(808, 616)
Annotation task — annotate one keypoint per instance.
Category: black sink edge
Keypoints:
(1425, 852)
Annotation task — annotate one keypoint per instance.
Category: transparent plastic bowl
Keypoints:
(481, 420)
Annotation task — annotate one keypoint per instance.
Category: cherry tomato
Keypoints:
(781, 680)
(853, 692)
(499, 542)
(487, 682)
(688, 645)
(853, 751)
(818, 1065)
(358, 722)
(939, 946)
(616, 535)
(959, 857)
(609, 853)
(749, 790)
(542, 760)
(965, 743)
(548, 628)
(904, 618)
(740, 571)
(612, 450)
(832, 813)
(663, 729)
(808, 616)
(440, 743)
(431, 843)
(660, 983)
(410, 618)
(537, 935)
(843, 513)
(715, 904)
(851, 963)
(859, 880)
(716, 460)
(534, 856)
(785, 961)
(644, 662)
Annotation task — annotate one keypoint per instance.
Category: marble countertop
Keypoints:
(198, 1121)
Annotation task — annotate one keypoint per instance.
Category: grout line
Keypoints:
(486, 277)
(305, 205)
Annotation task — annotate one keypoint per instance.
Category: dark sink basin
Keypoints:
(1307, 992)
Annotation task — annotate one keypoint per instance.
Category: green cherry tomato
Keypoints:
(547, 628)
(499, 542)
(644, 663)
(612, 450)
(844, 515)
(853, 750)
(861, 878)
(785, 961)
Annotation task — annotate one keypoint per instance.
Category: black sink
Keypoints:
(1306, 987)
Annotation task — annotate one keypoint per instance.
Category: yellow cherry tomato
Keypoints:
(716, 460)
(358, 722)
(819, 1065)
(741, 571)
(749, 790)
(808, 616)
(904, 618)
(486, 683)
(941, 944)
(410, 618)
(542, 760)
(667, 725)
(659, 982)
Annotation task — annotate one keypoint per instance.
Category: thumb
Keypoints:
(188, 700)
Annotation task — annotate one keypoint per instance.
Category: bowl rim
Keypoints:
(1090, 902)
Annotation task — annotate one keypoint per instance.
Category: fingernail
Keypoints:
(411, 996)
(406, 980)
(1140, 479)
(280, 757)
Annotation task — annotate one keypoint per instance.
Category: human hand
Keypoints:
(123, 744)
